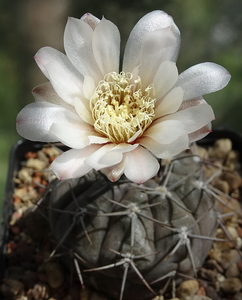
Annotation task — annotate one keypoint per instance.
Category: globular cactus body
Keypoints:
(131, 238)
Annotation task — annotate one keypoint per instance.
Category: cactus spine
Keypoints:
(129, 240)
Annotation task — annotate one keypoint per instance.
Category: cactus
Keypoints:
(128, 240)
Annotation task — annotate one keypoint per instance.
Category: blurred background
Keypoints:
(211, 31)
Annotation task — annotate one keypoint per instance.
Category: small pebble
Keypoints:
(222, 185)
(207, 274)
(220, 278)
(237, 296)
(231, 206)
(221, 148)
(85, 294)
(188, 288)
(15, 217)
(30, 154)
(236, 193)
(239, 230)
(36, 164)
(201, 291)
(212, 293)
(12, 289)
(88, 294)
(231, 285)
(202, 152)
(228, 257)
(52, 151)
(215, 254)
(36, 181)
(233, 232)
(213, 264)
(40, 291)
(233, 179)
(232, 271)
(55, 274)
(42, 156)
(25, 175)
(232, 161)
(158, 298)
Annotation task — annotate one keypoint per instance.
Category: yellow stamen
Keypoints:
(121, 109)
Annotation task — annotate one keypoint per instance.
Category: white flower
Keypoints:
(119, 122)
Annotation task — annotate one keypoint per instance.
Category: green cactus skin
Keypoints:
(130, 238)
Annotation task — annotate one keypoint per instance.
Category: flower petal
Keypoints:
(45, 92)
(78, 46)
(108, 155)
(96, 139)
(115, 172)
(88, 87)
(203, 79)
(192, 102)
(106, 46)
(201, 133)
(158, 46)
(35, 119)
(193, 118)
(94, 159)
(70, 164)
(165, 131)
(123, 148)
(140, 165)
(170, 103)
(150, 22)
(166, 151)
(90, 19)
(64, 78)
(83, 110)
(165, 78)
(73, 133)
(112, 158)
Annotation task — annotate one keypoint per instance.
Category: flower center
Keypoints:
(121, 109)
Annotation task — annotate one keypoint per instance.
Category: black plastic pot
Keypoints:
(17, 155)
